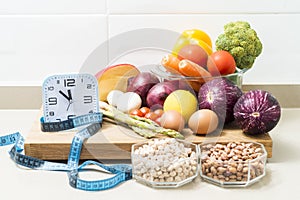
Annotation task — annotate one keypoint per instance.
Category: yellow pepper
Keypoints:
(193, 36)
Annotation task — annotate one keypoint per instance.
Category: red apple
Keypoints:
(114, 78)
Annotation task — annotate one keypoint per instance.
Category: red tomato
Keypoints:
(151, 115)
(136, 112)
(159, 112)
(193, 53)
(144, 110)
(221, 63)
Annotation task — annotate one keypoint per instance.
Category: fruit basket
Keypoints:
(165, 163)
(233, 164)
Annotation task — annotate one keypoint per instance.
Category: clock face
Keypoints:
(67, 96)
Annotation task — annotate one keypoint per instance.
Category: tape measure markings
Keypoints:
(77, 142)
(70, 123)
(100, 184)
(9, 139)
(122, 172)
(31, 162)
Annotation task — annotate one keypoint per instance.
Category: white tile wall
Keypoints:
(33, 47)
(279, 34)
(202, 6)
(39, 38)
(52, 7)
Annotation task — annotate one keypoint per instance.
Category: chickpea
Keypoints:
(154, 161)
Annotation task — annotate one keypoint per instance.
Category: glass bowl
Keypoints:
(241, 165)
(165, 162)
(164, 74)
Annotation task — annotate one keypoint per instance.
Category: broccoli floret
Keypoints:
(241, 41)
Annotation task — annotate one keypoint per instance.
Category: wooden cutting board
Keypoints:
(114, 142)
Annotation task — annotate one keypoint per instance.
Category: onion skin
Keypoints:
(158, 93)
(141, 84)
(257, 112)
(220, 96)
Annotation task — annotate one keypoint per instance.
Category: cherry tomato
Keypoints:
(136, 112)
(151, 115)
(221, 63)
(158, 120)
(159, 112)
(144, 110)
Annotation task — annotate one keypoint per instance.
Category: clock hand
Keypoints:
(69, 97)
(70, 94)
(70, 102)
(69, 106)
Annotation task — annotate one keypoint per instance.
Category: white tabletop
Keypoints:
(281, 181)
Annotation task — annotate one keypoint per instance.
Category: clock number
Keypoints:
(52, 101)
(87, 99)
(70, 82)
(89, 86)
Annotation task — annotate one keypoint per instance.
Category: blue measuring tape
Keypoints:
(122, 172)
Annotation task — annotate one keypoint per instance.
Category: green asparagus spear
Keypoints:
(145, 127)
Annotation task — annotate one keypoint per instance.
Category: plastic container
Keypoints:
(148, 59)
(164, 74)
(234, 173)
(155, 172)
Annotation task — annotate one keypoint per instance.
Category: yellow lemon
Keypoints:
(182, 101)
